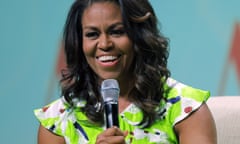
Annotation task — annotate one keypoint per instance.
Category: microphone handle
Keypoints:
(111, 111)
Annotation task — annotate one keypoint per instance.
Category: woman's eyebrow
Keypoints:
(91, 27)
(116, 24)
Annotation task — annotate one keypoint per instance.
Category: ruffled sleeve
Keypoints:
(53, 116)
(182, 100)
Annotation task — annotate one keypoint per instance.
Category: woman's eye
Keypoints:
(91, 34)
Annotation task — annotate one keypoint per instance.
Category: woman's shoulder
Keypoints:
(182, 100)
(65, 120)
(55, 115)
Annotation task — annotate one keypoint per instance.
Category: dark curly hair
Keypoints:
(79, 82)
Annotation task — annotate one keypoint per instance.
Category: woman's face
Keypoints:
(106, 45)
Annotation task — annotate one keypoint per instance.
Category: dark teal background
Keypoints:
(200, 33)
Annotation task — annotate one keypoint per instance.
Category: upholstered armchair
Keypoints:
(226, 112)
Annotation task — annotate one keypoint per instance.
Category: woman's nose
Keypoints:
(105, 43)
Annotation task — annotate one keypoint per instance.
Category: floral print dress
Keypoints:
(73, 125)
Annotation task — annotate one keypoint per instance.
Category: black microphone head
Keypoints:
(110, 90)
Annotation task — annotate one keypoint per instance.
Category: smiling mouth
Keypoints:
(108, 58)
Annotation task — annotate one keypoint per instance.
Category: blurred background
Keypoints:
(204, 53)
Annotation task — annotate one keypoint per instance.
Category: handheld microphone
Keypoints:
(110, 94)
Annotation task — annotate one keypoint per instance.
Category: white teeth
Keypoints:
(107, 58)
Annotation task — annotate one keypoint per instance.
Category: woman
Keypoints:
(119, 39)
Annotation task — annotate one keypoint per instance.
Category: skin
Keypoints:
(199, 128)
(47, 137)
(104, 35)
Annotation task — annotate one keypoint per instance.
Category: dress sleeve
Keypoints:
(182, 100)
(52, 116)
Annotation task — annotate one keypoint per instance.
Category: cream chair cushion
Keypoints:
(226, 112)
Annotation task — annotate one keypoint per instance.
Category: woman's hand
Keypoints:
(112, 135)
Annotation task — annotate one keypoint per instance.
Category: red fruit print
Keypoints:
(62, 110)
(44, 109)
(188, 109)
